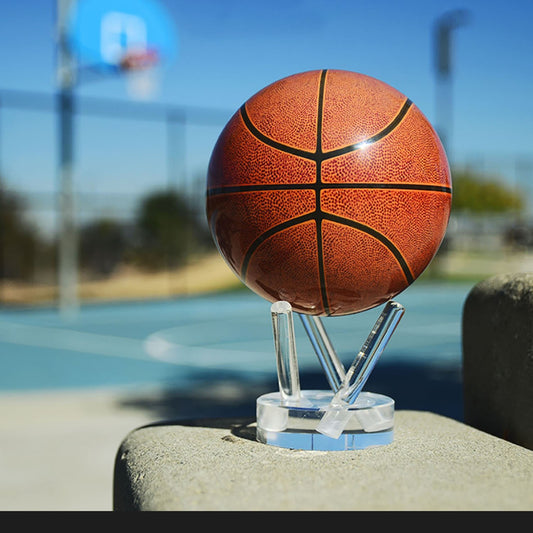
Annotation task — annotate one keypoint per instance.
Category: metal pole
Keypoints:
(176, 173)
(443, 29)
(68, 246)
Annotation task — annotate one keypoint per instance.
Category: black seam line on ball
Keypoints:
(325, 186)
(318, 180)
(318, 218)
(371, 140)
(377, 235)
(269, 233)
(389, 186)
(271, 142)
(320, 116)
(318, 155)
(321, 269)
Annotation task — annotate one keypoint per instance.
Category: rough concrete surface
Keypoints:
(434, 463)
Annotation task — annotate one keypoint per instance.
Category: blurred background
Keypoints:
(109, 112)
(94, 170)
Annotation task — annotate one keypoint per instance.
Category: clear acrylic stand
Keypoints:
(344, 418)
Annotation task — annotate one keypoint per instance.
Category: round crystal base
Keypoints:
(293, 423)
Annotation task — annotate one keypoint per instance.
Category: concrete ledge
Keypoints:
(434, 463)
(498, 357)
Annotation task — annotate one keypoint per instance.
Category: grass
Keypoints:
(210, 273)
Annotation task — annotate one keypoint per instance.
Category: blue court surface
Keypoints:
(173, 342)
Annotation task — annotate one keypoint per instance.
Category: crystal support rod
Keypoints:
(285, 346)
(331, 364)
(337, 414)
(375, 344)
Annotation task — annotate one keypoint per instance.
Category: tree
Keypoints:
(19, 242)
(167, 231)
(103, 245)
(477, 194)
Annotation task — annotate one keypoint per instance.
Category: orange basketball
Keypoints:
(330, 190)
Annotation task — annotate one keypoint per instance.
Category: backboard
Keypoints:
(132, 37)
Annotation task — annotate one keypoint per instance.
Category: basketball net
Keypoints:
(141, 72)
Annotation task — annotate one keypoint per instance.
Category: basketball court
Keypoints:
(167, 342)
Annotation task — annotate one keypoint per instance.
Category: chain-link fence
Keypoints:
(138, 197)
(138, 193)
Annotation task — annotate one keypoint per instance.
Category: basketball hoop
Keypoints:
(139, 59)
(140, 68)
(130, 37)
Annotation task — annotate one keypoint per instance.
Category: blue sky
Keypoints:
(230, 49)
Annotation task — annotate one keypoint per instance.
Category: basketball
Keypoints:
(328, 189)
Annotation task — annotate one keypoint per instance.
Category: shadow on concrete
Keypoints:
(216, 395)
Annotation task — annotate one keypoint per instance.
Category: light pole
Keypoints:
(443, 62)
(68, 247)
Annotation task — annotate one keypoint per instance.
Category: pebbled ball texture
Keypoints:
(328, 189)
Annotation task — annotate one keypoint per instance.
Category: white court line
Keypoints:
(158, 348)
(75, 341)
(154, 348)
